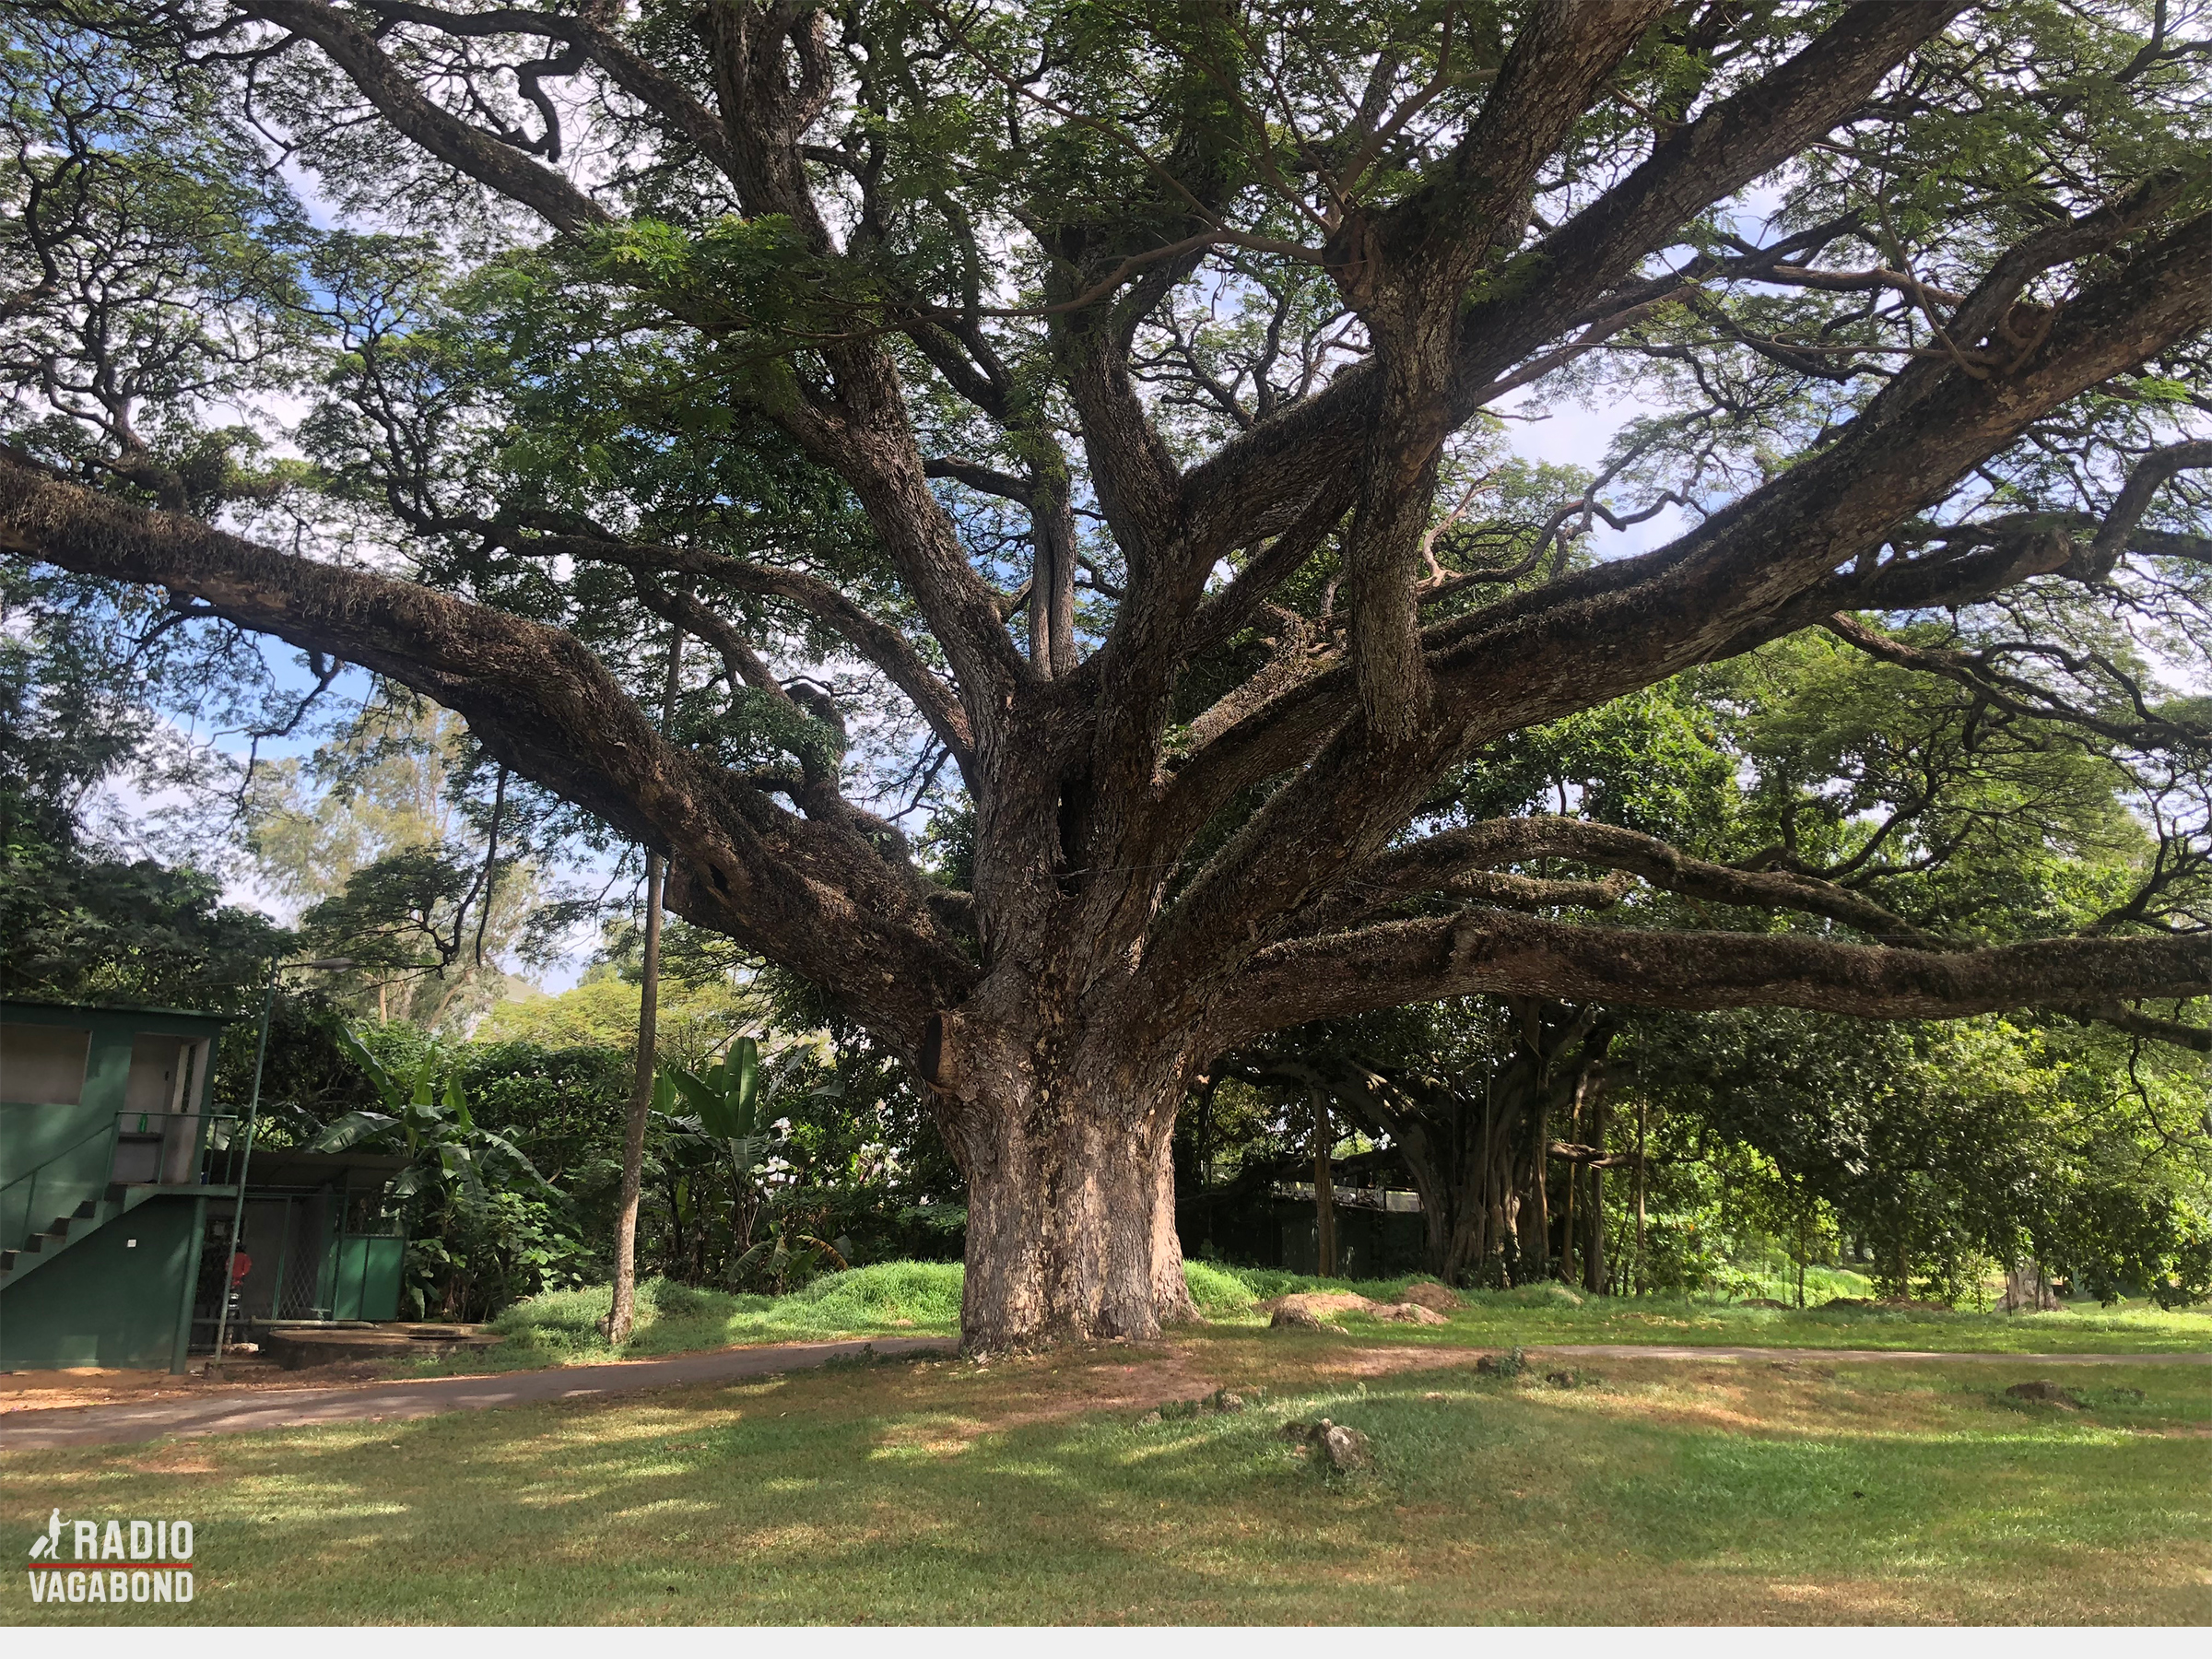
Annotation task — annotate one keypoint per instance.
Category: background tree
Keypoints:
(1101, 389)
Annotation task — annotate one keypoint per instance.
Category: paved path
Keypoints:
(297, 1408)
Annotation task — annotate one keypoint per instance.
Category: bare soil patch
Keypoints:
(99, 1385)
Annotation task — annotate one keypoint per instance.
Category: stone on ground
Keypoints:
(1343, 1448)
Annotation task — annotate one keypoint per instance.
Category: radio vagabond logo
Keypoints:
(118, 1561)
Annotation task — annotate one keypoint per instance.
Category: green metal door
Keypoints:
(366, 1277)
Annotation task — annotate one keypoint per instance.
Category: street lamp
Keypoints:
(246, 1158)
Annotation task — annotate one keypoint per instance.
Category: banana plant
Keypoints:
(732, 1105)
(435, 1128)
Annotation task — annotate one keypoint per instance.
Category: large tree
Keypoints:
(1151, 349)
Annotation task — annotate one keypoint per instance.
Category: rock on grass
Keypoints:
(2043, 1391)
(1335, 1447)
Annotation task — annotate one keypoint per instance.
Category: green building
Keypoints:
(117, 1193)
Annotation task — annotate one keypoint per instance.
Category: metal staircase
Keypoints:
(89, 1177)
(88, 1217)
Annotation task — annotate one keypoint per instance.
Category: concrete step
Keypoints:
(294, 1346)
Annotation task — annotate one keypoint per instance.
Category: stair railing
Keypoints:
(177, 1141)
(18, 1225)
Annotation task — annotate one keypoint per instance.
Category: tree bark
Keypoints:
(1636, 1277)
(1593, 1251)
(1071, 1192)
(2027, 1289)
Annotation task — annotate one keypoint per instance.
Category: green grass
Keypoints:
(923, 1299)
(1552, 1312)
(1028, 1491)
(562, 1327)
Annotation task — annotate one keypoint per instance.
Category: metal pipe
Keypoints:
(238, 1209)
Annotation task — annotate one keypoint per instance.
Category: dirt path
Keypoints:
(297, 1407)
(290, 1408)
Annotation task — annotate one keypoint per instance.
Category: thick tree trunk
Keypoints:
(1071, 1201)
(2027, 1289)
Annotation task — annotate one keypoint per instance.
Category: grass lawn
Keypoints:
(1028, 1491)
(923, 1299)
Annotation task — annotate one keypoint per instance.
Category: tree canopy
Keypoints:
(1095, 421)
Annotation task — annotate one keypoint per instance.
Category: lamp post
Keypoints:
(245, 1160)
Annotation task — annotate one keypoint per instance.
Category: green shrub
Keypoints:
(926, 1292)
(1217, 1292)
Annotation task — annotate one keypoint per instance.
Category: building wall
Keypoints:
(104, 1302)
(142, 1059)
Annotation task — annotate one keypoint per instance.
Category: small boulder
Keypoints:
(1440, 1299)
(1226, 1401)
(1294, 1319)
(1150, 1419)
(2043, 1391)
(1561, 1379)
(1408, 1313)
(1345, 1450)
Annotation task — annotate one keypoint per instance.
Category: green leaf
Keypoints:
(384, 1082)
(351, 1130)
(745, 1064)
(456, 1102)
